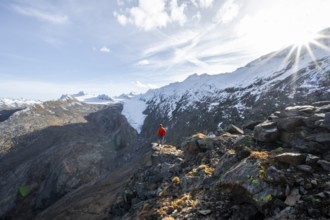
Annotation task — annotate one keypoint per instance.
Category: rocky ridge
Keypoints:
(50, 150)
(278, 170)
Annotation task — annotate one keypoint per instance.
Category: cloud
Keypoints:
(171, 42)
(227, 12)
(105, 49)
(177, 12)
(145, 85)
(43, 15)
(122, 19)
(143, 62)
(150, 15)
(205, 3)
(120, 2)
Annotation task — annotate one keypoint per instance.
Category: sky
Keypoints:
(54, 47)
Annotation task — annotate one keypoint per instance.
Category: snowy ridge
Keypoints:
(265, 71)
(133, 105)
(133, 111)
(6, 103)
(93, 99)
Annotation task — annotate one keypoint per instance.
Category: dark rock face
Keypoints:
(291, 158)
(51, 149)
(5, 114)
(266, 132)
(299, 127)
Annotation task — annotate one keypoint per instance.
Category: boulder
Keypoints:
(234, 130)
(324, 164)
(311, 159)
(286, 137)
(291, 158)
(326, 121)
(305, 168)
(251, 124)
(319, 137)
(326, 155)
(290, 123)
(321, 103)
(293, 198)
(311, 122)
(323, 109)
(298, 111)
(266, 132)
(311, 147)
(243, 179)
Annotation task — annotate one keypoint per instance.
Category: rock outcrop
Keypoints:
(237, 176)
(303, 128)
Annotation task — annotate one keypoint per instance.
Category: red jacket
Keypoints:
(161, 132)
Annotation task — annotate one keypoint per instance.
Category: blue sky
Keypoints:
(48, 48)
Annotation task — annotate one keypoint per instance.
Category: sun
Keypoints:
(303, 38)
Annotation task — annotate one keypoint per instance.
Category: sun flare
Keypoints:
(304, 38)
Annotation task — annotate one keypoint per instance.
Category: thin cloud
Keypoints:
(145, 85)
(227, 12)
(205, 3)
(150, 15)
(42, 15)
(143, 62)
(105, 49)
(171, 42)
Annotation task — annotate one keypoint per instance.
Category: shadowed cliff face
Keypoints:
(52, 149)
(5, 114)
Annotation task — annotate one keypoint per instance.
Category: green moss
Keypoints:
(194, 172)
(267, 198)
(253, 180)
(24, 191)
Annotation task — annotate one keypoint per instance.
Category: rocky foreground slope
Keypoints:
(278, 171)
(90, 164)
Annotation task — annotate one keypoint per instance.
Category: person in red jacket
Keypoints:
(161, 134)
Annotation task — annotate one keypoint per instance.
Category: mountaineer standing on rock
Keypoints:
(161, 135)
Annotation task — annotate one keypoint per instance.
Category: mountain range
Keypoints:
(71, 157)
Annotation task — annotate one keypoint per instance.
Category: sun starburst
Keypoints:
(305, 46)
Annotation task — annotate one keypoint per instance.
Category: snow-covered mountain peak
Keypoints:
(67, 97)
(81, 93)
(7, 103)
(105, 97)
(125, 96)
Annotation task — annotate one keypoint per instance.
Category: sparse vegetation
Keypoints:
(253, 180)
(168, 218)
(267, 198)
(208, 170)
(205, 168)
(168, 206)
(261, 155)
(199, 136)
(176, 180)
